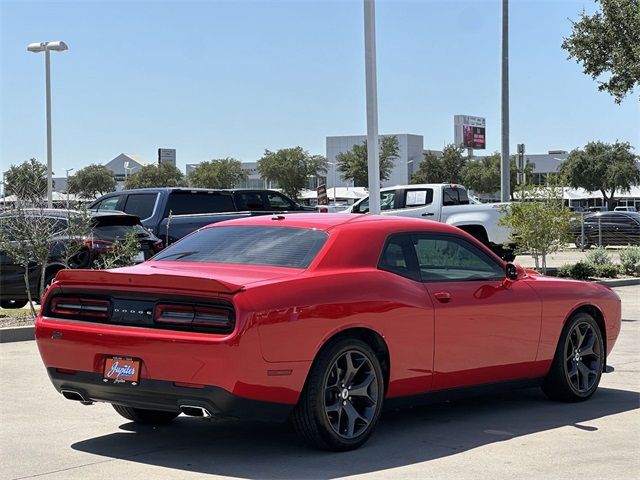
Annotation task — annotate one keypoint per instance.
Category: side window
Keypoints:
(387, 200)
(447, 258)
(418, 198)
(108, 203)
(185, 203)
(454, 196)
(279, 202)
(362, 207)
(141, 204)
(250, 201)
(397, 257)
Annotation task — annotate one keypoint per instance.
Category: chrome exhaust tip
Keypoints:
(195, 411)
(75, 396)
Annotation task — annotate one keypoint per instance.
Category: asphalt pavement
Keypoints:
(517, 435)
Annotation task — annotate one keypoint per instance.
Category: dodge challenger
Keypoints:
(323, 319)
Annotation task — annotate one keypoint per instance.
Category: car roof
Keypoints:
(185, 189)
(64, 213)
(329, 221)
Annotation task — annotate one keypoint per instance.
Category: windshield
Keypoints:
(248, 245)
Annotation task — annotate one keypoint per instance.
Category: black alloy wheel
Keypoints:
(351, 394)
(341, 402)
(578, 363)
(583, 357)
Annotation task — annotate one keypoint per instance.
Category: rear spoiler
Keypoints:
(125, 278)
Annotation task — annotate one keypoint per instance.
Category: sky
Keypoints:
(214, 79)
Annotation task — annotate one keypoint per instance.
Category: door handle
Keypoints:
(428, 214)
(443, 297)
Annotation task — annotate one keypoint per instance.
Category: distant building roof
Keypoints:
(546, 162)
(117, 164)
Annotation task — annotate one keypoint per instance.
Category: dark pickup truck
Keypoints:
(172, 213)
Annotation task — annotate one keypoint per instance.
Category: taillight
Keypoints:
(196, 316)
(79, 307)
(157, 246)
(323, 209)
(98, 245)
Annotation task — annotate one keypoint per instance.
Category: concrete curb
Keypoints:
(17, 334)
(619, 282)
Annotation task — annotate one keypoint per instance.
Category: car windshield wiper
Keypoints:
(177, 255)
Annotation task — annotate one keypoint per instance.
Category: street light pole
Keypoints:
(47, 47)
(67, 171)
(47, 63)
(505, 177)
(373, 160)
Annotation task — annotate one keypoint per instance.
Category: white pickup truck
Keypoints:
(446, 203)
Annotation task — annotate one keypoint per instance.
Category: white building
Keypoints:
(410, 155)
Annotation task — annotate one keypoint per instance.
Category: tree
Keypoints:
(446, 169)
(217, 173)
(539, 222)
(483, 175)
(353, 164)
(27, 181)
(608, 43)
(92, 181)
(291, 168)
(602, 167)
(165, 175)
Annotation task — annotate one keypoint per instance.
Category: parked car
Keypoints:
(172, 213)
(625, 209)
(446, 203)
(106, 228)
(607, 228)
(295, 315)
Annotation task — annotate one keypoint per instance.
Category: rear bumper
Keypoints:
(164, 395)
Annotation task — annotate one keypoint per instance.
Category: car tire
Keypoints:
(13, 303)
(578, 362)
(341, 402)
(147, 417)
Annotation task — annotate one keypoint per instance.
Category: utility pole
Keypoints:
(372, 105)
(505, 177)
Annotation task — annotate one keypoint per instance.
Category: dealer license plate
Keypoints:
(121, 370)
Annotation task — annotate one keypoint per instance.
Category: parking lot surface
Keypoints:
(516, 435)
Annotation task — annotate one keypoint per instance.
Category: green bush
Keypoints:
(564, 271)
(599, 256)
(607, 271)
(630, 261)
(583, 271)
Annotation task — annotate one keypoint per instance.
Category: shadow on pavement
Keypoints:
(250, 450)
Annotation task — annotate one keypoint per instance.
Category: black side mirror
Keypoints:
(511, 271)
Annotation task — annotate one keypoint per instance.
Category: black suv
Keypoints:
(172, 213)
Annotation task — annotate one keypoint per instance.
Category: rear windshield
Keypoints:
(248, 245)
(182, 203)
(118, 232)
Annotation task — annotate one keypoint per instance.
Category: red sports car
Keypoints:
(323, 318)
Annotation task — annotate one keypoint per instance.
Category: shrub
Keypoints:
(607, 271)
(564, 271)
(598, 257)
(582, 271)
(630, 261)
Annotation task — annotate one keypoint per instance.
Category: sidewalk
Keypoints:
(560, 258)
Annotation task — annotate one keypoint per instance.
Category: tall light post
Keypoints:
(67, 172)
(373, 160)
(47, 47)
(505, 176)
